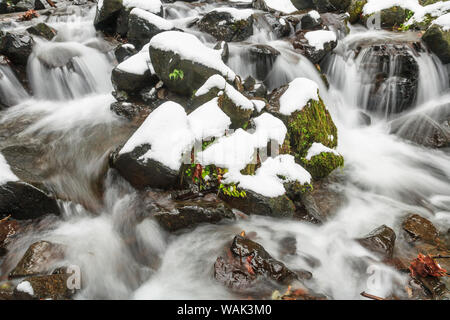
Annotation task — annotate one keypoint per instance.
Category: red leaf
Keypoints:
(425, 266)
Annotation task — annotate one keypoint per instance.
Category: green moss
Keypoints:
(312, 124)
(321, 165)
(355, 10)
(239, 24)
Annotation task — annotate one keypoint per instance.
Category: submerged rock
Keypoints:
(224, 26)
(264, 57)
(23, 201)
(190, 214)
(381, 241)
(38, 259)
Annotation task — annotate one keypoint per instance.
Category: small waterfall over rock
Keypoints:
(11, 90)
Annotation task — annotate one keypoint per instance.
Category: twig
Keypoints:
(440, 257)
(5, 218)
(371, 296)
(51, 3)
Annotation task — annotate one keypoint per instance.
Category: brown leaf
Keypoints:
(424, 266)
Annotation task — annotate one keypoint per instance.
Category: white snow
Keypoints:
(268, 128)
(138, 63)
(189, 47)
(300, 91)
(314, 14)
(208, 121)
(318, 148)
(284, 6)
(443, 21)
(318, 38)
(5, 171)
(157, 21)
(153, 6)
(26, 287)
(237, 14)
(259, 104)
(217, 81)
(266, 180)
(167, 130)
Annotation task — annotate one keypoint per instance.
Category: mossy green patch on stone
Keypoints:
(312, 124)
(355, 10)
(321, 165)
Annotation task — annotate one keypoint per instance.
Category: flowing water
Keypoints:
(123, 256)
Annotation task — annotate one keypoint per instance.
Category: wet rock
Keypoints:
(190, 214)
(254, 203)
(264, 57)
(52, 287)
(143, 173)
(438, 40)
(143, 25)
(380, 241)
(310, 22)
(303, 4)
(124, 51)
(130, 82)
(419, 228)
(42, 30)
(8, 228)
(23, 201)
(315, 55)
(126, 109)
(106, 15)
(331, 5)
(280, 27)
(16, 46)
(422, 129)
(38, 259)
(223, 46)
(393, 86)
(248, 266)
(224, 27)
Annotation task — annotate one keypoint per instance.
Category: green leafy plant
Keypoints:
(176, 74)
(232, 191)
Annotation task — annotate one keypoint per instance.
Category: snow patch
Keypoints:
(138, 63)
(318, 38)
(208, 121)
(26, 287)
(153, 6)
(6, 174)
(300, 91)
(318, 148)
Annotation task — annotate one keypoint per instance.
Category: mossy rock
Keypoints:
(392, 17)
(42, 30)
(321, 165)
(355, 10)
(438, 41)
(312, 124)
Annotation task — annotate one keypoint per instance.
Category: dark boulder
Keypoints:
(38, 259)
(143, 173)
(23, 201)
(106, 15)
(129, 82)
(16, 46)
(313, 53)
(310, 22)
(224, 27)
(303, 4)
(190, 214)
(380, 241)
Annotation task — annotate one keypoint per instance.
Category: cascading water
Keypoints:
(122, 255)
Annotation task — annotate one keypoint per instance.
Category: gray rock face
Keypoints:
(23, 201)
(122, 52)
(224, 27)
(16, 46)
(142, 174)
(438, 40)
(140, 30)
(131, 82)
(42, 30)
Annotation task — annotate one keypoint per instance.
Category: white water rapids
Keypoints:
(384, 177)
